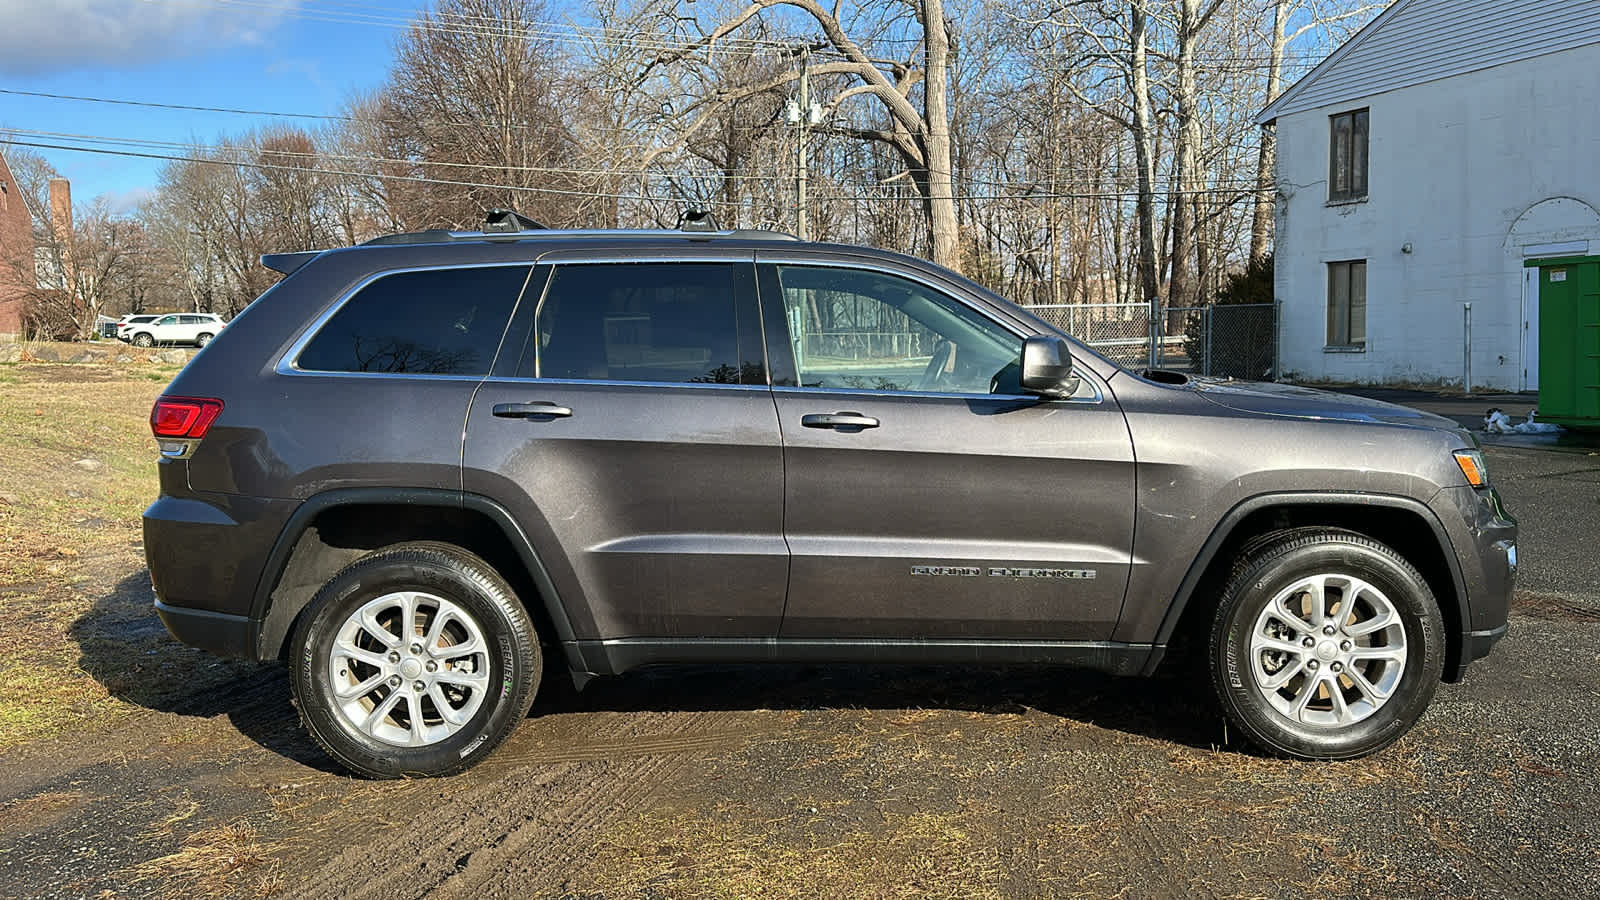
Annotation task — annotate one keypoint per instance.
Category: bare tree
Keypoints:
(471, 100)
(918, 132)
(1291, 20)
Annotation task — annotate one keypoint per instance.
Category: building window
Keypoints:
(1347, 304)
(1347, 174)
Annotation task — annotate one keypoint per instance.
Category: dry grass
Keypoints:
(729, 855)
(220, 861)
(76, 468)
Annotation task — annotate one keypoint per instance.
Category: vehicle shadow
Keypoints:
(1175, 705)
(123, 645)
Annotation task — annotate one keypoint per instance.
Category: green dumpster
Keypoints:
(1569, 340)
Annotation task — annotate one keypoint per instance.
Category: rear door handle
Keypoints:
(540, 409)
(838, 420)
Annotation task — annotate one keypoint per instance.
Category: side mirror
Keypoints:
(1047, 367)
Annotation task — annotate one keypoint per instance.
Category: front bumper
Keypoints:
(1484, 536)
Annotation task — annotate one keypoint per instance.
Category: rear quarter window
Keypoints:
(433, 322)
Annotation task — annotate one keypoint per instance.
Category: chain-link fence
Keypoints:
(1233, 341)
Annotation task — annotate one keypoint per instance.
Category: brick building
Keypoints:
(16, 253)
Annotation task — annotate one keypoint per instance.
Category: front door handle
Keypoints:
(838, 420)
(540, 409)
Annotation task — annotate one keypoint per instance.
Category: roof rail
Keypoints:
(509, 221)
(510, 225)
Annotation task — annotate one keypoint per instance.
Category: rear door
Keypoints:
(634, 438)
(926, 496)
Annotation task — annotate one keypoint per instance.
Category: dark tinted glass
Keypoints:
(438, 322)
(663, 322)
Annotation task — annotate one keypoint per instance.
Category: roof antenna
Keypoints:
(698, 220)
(509, 221)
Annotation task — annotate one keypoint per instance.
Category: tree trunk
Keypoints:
(1266, 161)
(1180, 290)
(941, 203)
(1143, 137)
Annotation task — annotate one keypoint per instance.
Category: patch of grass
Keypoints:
(221, 861)
(76, 468)
(728, 855)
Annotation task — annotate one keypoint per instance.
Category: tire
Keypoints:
(143, 339)
(1352, 692)
(356, 615)
(202, 339)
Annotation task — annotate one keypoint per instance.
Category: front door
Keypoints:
(925, 495)
(636, 437)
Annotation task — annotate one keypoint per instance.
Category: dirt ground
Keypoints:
(132, 766)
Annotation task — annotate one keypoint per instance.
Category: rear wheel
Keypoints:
(1327, 645)
(202, 340)
(143, 339)
(417, 659)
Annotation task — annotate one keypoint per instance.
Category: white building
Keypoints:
(1419, 166)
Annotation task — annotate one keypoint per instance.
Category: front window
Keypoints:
(1347, 304)
(1347, 175)
(862, 330)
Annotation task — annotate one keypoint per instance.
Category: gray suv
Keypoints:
(432, 469)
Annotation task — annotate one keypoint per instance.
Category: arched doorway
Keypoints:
(1559, 226)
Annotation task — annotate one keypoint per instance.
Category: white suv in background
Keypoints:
(177, 328)
(127, 324)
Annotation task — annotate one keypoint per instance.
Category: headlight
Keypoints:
(1471, 463)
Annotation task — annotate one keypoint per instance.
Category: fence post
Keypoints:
(1154, 331)
(1206, 368)
(1466, 350)
(1277, 340)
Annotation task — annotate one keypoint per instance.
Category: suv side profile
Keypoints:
(178, 328)
(425, 470)
(127, 323)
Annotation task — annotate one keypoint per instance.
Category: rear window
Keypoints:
(434, 322)
(651, 322)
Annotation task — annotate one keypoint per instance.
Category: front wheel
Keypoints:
(417, 659)
(1327, 645)
(143, 339)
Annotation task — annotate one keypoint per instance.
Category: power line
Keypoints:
(617, 38)
(178, 106)
(420, 179)
(224, 155)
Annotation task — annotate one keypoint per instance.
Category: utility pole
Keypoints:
(802, 114)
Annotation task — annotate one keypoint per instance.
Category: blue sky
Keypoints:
(304, 56)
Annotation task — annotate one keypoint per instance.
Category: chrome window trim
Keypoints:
(602, 382)
(779, 258)
(289, 362)
(1097, 396)
(574, 256)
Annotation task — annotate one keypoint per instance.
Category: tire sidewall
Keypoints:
(1270, 575)
(510, 666)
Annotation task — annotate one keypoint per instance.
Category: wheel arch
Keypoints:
(333, 528)
(1403, 523)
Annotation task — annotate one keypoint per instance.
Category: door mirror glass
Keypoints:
(1047, 367)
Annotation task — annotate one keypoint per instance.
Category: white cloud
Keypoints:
(122, 203)
(41, 36)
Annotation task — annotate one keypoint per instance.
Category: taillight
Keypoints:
(184, 417)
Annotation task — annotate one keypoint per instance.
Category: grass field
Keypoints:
(78, 466)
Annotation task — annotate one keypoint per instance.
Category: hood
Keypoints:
(1309, 403)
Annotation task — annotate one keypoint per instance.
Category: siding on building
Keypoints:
(16, 253)
(1474, 172)
(1415, 42)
